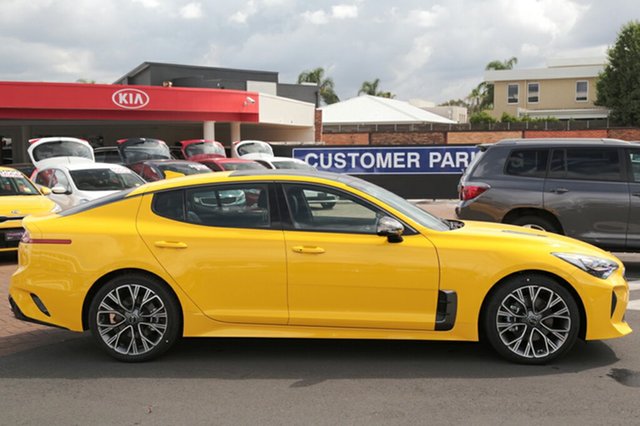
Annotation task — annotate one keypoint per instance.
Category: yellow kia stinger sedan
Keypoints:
(254, 254)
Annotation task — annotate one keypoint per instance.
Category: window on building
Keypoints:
(582, 91)
(533, 93)
(512, 93)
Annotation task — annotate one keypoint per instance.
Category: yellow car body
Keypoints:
(19, 197)
(279, 281)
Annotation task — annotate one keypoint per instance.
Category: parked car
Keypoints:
(152, 170)
(77, 183)
(251, 149)
(196, 149)
(132, 150)
(49, 151)
(19, 197)
(584, 188)
(221, 164)
(184, 262)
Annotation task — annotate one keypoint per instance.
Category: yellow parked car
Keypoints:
(19, 197)
(184, 257)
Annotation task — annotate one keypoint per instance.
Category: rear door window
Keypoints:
(527, 163)
(601, 164)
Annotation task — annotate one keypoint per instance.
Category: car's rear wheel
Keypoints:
(134, 318)
(531, 319)
(536, 222)
(328, 206)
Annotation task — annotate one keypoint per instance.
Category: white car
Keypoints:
(50, 151)
(77, 183)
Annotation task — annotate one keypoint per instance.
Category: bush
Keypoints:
(481, 117)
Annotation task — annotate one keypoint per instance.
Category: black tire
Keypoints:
(118, 312)
(328, 206)
(536, 222)
(531, 319)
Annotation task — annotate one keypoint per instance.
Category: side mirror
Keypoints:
(44, 190)
(390, 228)
(60, 190)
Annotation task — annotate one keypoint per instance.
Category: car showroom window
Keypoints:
(229, 206)
(527, 162)
(586, 164)
(512, 93)
(314, 208)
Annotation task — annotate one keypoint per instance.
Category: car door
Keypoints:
(587, 190)
(222, 249)
(341, 274)
(632, 158)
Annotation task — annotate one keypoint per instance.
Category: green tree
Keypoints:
(455, 102)
(486, 89)
(85, 81)
(325, 84)
(618, 86)
(371, 88)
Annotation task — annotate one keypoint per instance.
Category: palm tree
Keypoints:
(326, 86)
(486, 89)
(371, 88)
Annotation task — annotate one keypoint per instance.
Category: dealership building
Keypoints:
(164, 101)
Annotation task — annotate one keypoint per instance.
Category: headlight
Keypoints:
(596, 266)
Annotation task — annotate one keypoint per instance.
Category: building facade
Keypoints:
(565, 89)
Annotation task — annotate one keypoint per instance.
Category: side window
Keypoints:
(315, 208)
(231, 206)
(169, 204)
(527, 163)
(61, 179)
(586, 164)
(44, 178)
(634, 161)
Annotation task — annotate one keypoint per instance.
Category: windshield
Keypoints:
(211, 148)
(105, 179)
(254, 148)
(184, 168)
(12, 182)
(242, 166)
(398, 203)
(62, 149)
(146, 150)
(292, 165)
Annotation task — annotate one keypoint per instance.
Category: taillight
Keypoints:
(469, 192)
(26, 239)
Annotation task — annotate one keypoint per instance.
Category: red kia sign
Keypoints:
(130, 98)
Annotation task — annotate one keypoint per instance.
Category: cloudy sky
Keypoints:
(434, 50)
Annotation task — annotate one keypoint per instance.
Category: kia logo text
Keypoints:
(130, 98)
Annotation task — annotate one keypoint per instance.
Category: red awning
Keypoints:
(75, 101)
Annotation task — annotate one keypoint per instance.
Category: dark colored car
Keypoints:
(133, 150)
(152, 170)
(587, 189)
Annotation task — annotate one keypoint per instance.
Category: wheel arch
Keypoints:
(530, 211)
(109, 276)
(582, 312)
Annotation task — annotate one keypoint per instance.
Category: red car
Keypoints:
(212, 154)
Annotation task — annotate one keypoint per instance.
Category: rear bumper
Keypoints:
(22, 317)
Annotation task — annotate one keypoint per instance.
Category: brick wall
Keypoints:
(625, 134)
(600, 133)
(318, 125)
(408, 138)
(480, 137)
(346, 138)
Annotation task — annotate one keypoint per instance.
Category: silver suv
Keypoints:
(588, 189)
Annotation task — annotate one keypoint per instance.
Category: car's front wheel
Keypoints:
(531, 319)
(134, 318)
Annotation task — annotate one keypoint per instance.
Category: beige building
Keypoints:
(565, 89)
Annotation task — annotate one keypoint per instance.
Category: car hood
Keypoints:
(22, 205)
(496, 234)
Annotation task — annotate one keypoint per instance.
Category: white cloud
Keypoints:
(318, 17)
(427, 18)
(191, 11)
(149, 4)
(344, 11)
(242, 16)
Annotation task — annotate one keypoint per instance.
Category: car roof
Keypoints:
(556, 142)
(243, 175)
(159, 161)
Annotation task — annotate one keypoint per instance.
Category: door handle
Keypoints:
(171, 244)
(308, 249)
(559, 190)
